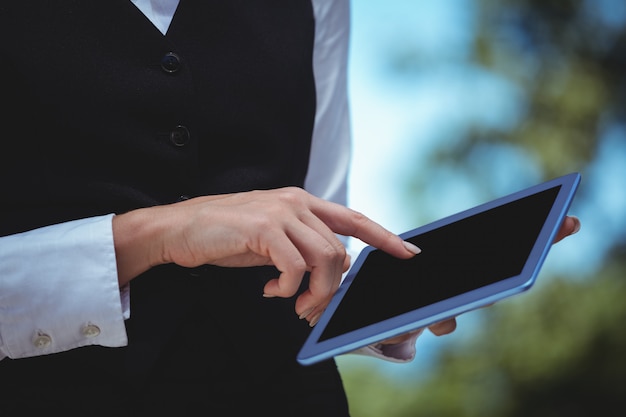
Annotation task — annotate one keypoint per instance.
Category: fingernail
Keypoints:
(315, 319)
(411, 247)
(268, 295)
(306, 313)
(576, 224)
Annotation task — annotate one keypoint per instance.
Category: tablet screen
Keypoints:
(469, 259)
(456, 258)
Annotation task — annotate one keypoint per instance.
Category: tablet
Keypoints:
(468, 260)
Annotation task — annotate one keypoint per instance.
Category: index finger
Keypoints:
(348, 222)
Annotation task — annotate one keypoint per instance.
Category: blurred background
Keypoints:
(456, 102)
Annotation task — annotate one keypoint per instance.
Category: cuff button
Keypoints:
(90, 330)
(42, 340)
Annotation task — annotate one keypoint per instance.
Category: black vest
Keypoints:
(105, 114)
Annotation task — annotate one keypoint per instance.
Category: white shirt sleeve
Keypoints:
(59, 289)
(331, 147)
(329, 161)
(58, 284)
(403, 352)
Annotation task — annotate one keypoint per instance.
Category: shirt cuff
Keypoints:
(403, 352)
(59, 289)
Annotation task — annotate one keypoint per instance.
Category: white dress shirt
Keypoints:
(58, 284)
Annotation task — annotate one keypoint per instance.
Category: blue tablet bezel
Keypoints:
(314, 350)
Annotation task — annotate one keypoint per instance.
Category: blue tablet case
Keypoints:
(469, 259)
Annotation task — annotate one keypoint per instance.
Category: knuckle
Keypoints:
(291, 277)
(359, 221)
(333, 253)
(298, 267)
(359, 218)
(292, 195)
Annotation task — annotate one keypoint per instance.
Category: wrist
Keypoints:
(137, 236)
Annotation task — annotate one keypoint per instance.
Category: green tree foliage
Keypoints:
(559, 350)
(554, 352)
(559, 354)
(568, 59)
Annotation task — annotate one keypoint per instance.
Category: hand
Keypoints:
(570, 226)
(288, 228)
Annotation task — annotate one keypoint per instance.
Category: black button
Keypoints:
(179, 136)
(183, 197)
(170, 62)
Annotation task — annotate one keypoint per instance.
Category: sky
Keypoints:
(389, 118)
(392, 120)
(395, 120)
